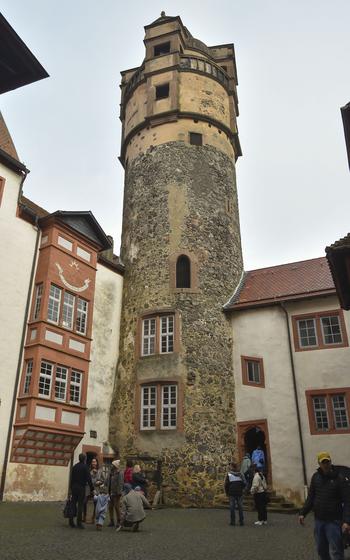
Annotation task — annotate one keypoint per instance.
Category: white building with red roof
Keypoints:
(291, 363)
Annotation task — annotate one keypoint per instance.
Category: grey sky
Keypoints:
(292, 59)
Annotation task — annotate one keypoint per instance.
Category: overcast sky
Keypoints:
(293, 70)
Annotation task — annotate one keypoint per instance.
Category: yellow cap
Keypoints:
(323, 456)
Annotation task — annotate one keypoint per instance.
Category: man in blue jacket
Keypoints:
(329, 498)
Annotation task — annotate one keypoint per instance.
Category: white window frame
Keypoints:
(28, 377)
(167, 335)
(149, 339)
(54, 305)
(75, 386)
(325, 409)
(68, 308)
(344, 408)
(61, 381)
(149, 407)
(313, 319)
(38, 298)
(81, 316)
(169, 407)
(255, 364)
(44, 376)
(332, 334)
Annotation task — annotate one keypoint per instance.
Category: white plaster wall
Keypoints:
(322, 369)
(104, 355)
(31, 483)
(17, 243)
(263, 333)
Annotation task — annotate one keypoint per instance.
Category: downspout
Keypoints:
(20, 356)
(296, 398)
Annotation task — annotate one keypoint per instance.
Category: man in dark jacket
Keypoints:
(329, 498)
(234, 485)
(80, 477)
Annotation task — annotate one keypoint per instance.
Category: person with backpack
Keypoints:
(246, 470)
(329, 498)
(234, 486)
(259, 491)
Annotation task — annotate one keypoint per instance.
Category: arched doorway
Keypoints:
(252, 434)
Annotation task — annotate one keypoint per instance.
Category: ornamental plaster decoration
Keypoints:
(70, 286)
(75, 265)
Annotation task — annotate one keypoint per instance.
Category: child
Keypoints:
(101, 502)
(132, 509)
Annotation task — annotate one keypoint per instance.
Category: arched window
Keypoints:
(183, 272)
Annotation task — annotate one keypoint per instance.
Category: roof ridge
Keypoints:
(285, 264)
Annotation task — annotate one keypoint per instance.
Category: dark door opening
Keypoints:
(89, 456)
(253, 438)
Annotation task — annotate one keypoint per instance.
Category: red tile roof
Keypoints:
(299, 280)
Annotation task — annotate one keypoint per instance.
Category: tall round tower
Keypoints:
(174, 394)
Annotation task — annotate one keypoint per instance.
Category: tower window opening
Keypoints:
(164, 48)
(196, 139)
(162, 92)
(183, 272)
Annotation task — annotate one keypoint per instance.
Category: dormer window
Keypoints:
(164, 48)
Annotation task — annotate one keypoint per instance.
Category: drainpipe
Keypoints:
(20, 356)
(296, 398)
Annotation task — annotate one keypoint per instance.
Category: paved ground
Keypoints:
(39, 532)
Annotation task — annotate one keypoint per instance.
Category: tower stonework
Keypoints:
(174, 394)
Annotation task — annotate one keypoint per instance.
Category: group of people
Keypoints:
(328, 497)
(249, 478)
(123, 493)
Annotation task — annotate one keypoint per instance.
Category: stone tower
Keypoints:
(174, 394)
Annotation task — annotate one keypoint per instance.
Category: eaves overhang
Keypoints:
(18, 65)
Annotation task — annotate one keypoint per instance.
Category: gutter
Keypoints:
(282, 304)
(20, 356)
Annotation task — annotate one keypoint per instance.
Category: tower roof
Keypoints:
(6, 143)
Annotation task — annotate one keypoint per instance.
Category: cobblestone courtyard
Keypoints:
(39, 532)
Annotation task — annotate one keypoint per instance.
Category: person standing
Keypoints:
(97, 481)
(258, 458)
(246, 470)
(258, 490)
(80, 477)
(234, 485)
(115, 484)
(139, 479)
(329, 498)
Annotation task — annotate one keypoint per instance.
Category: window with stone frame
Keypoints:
(28, 377)
(319, 330)
(253, 371)
(57, 382)
(65, 309)
(159, 406)
(37, 302)
(158, 334)
(183, 272)
(329, 410)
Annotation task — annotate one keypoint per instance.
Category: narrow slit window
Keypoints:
(28, 377)
(162, 92)
(183, 272)
(38, 298)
